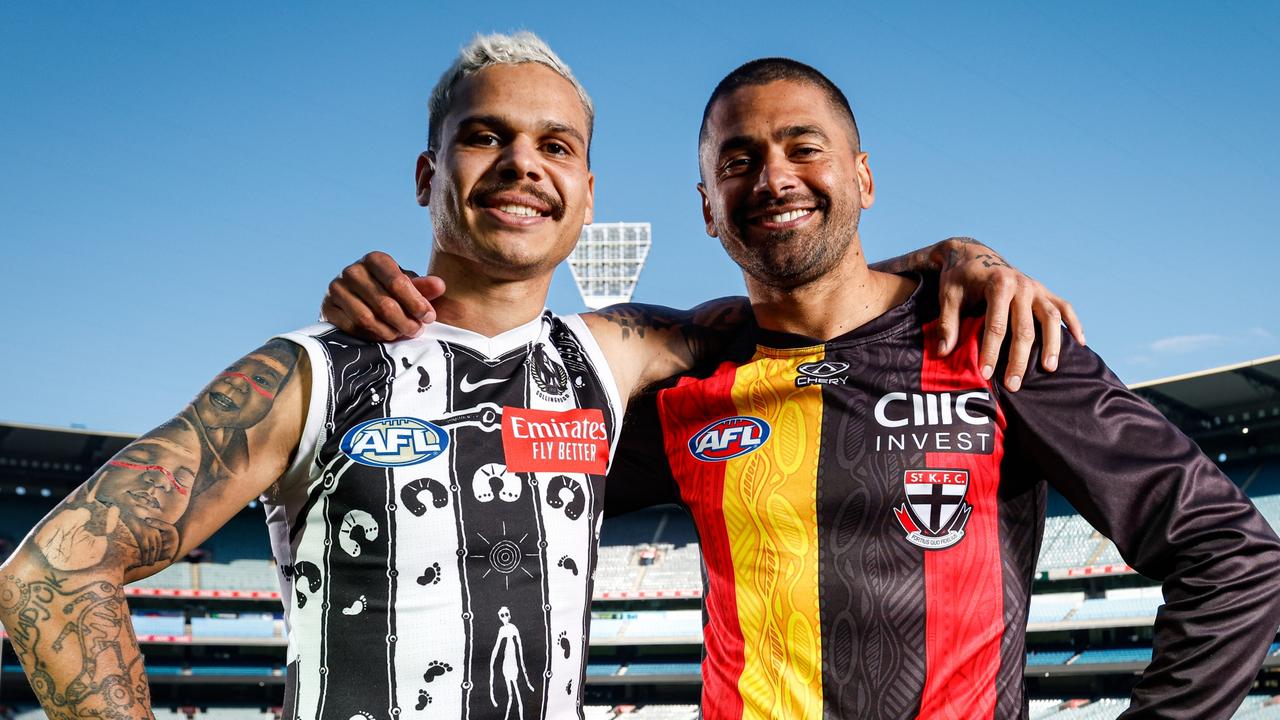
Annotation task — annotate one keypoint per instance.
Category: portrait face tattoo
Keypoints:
(242, 395)
(151, 479)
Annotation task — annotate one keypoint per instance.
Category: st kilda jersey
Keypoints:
(437, 531)
(870, 516)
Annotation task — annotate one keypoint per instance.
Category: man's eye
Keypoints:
(736, 165)
(556, 148)
(261, 380)
(484, 139)
(805, 152)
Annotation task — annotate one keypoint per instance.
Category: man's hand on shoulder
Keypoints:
(971, 271)
(375, 299)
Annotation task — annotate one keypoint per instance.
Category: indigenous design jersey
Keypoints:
(437, 532)
(870, 515)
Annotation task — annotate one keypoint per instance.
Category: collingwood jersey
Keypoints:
(436, 534)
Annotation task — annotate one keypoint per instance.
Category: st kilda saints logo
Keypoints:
(935, 512)
(824, 372)
(551, 380)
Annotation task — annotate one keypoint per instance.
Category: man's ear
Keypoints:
(866, 183)
(426, 170)
(706, 211)
(590, 213)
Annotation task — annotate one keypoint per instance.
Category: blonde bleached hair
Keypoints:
(485, 51)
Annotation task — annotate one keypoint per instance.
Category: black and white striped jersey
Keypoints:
(437, 531)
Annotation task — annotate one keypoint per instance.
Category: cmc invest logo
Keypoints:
(394, 442)
(729, 438)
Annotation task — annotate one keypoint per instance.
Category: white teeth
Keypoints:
(521, 210)
(787, 216)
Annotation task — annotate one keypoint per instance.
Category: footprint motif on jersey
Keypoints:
(430, 576)
(565, 646)
(436, 669)
(410, 492)
(358, 527)
(356, 608)
(424, 699)
(577, 498)
(494, 479)
(361, 715)
(305, 570)
(567, 563)
(568, 688)
(424, 380)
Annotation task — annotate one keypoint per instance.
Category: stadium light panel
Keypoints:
(607, 261)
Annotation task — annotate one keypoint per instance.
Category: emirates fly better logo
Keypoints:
(935, 513)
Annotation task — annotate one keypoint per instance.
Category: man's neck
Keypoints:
(483, 304)
(843, 300)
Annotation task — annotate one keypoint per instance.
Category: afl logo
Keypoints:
(394, 442)
(729, 438)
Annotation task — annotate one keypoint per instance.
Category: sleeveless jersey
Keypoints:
(870, 514)
(437, 531)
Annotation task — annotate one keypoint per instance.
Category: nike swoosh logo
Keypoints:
(467, 386)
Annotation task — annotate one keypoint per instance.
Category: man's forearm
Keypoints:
(943, 255)
(75, 639)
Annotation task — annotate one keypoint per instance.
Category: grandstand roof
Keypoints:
(41, 454)
(1232, 409)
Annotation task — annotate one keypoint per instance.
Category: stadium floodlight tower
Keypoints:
(607, 261)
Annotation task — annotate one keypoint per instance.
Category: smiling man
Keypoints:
(471, 458)
(869, 509)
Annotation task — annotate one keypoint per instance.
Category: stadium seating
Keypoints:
(245, 575)
(1049, 657)
(233, 627)
(175, 577)
(663, 668)
(167, 624)
(1114, 655)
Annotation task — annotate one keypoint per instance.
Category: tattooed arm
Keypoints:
(61, 596)
(971, 272)
(648, 343)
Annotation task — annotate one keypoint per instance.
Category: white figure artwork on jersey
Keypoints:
(511, 649)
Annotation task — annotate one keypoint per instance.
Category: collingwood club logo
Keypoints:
(551, 380)
(935, 512)
(825, 372)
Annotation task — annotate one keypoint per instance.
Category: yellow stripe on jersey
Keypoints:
(771, 516)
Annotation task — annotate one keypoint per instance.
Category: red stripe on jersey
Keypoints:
(702, 489)
(964, 595)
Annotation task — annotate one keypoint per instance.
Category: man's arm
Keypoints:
(1174, 517)
(61, 594)
(971, 272)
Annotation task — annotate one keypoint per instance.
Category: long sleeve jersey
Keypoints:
(870, 515)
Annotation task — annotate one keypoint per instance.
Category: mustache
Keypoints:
(481, 195)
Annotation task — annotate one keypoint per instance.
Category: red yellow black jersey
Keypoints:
(870, 515)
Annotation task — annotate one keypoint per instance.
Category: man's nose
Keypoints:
(520, 161)
(776, 178)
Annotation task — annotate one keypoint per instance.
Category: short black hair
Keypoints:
(763, 71)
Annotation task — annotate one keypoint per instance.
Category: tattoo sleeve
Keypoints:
(686, 338)
(61, 593)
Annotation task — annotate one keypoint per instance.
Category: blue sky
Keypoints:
(179, 181)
